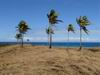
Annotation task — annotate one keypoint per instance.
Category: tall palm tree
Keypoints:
(52, 17)
(70, 29)
(82, 21)
(22, 29)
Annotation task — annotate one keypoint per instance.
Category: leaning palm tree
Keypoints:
(70, 29)
(18, 37)
(22, 29)
(82, 21)
(52, 17)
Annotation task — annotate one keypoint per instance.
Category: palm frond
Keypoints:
(59, 20)
(71, 28)
(85, 30)
(83, 21)
(48, 31)
(52, 12)
(23, 27)
(52, 16)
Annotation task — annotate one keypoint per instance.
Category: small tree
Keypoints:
(82, 21)
(70, 29)
(52, 17)
(22, 29)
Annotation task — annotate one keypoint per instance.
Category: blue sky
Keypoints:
(34, 13)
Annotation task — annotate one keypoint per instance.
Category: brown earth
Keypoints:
(40, 60)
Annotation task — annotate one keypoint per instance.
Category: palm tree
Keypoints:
(82, 21)
(70, 29)
(18, 36)
(22, 29)
(52, 17)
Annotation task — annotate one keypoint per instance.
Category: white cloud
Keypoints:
(77, 31)
(40, 38)
(56, 39)
(60, 39)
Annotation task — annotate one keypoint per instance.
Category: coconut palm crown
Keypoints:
(52, 16)
(82, 21)
(71, 28)
(23, 27)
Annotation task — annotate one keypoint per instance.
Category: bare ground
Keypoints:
(39, 60)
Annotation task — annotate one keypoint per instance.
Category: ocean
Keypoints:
(58, 44)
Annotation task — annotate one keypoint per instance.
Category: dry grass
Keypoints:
(39, 60)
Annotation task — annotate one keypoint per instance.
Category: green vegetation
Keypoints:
(52, 17)
(82, 21)
(70, 29)
(22, 28)
(18, 37)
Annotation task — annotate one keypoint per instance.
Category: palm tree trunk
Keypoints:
(22, 41)
(50, 37)
(50, 46)
(80, 38)
(68, 40)
(17, 41)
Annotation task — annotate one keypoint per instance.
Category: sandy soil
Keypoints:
(39, 60)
